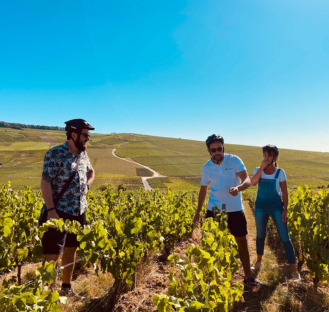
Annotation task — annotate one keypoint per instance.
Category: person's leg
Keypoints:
(52, 257)
(261, 219)
(283, 232)
(237, 225)
(244, 254)
(69, 256)
(53, 244)
(209, 214)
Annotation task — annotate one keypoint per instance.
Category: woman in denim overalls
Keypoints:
(271, 185)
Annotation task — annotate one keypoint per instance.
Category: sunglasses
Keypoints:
(86, 135)
(219, 149)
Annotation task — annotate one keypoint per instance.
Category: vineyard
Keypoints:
(127, 227)
(308, 223)
(124, 228)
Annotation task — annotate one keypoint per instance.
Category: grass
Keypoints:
(175, 183)
(185, 158)
(22, 153)
(25, 146)
(131, 183)
(103, 161)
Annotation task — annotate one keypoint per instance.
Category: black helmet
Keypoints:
(214, 137)
(272, 149)
(77, 124)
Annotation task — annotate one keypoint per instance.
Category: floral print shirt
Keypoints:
(58, 166)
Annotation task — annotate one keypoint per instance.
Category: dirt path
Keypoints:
(251, 237)
(46, 138)
(144, 179)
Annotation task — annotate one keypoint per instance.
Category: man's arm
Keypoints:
(48, 195)
(245, 183)
(90, 179)
(90, 176)
(202, 198)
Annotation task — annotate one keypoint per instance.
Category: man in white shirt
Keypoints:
(226, 176)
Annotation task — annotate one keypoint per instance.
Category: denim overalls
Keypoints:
(269, 203)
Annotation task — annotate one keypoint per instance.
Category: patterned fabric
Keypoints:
(59, 164)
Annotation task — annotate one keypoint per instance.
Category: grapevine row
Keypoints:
(308, 223)
(123, 228)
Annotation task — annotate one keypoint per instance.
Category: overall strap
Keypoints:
(277, 173)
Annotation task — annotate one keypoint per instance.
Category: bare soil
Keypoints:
(50, 140)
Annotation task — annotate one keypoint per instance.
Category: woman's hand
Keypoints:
(264, 163)
(284, 216)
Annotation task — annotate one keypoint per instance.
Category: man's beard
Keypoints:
(79, 145)
(218, 158)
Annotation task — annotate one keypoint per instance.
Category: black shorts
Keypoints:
(54, 241)
(236, 222)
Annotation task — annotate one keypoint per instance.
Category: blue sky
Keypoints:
(256, 72)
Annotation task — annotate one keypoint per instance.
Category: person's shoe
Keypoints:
(256, 266)
(295, 275)
(252, 282)
(69, 292)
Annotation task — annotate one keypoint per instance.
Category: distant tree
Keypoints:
(4, 124)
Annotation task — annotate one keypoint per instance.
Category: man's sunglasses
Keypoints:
(86, 135)
(219, 149)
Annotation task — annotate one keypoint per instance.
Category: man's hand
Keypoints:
(196, 219)
(52, 215)
(284, 216)
(234, 191)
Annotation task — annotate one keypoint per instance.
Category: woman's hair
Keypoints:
(272, 150)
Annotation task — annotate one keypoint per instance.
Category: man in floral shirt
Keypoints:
(60, 164)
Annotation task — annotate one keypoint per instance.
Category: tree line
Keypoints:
(19, 126)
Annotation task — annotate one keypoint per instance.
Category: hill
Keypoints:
(22, 152)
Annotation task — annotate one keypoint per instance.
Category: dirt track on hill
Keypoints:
(156, 174)
(46, 138)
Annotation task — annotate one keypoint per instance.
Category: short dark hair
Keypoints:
(214, 138)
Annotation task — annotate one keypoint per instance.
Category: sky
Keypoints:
(255, 72)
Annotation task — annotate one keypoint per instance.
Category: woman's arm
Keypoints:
(256, 176)
(284, 190)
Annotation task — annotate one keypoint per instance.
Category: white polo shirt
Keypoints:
(220, 179)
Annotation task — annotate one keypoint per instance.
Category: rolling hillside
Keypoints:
(22, 152)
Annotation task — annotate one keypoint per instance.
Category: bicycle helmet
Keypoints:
(78, 124)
